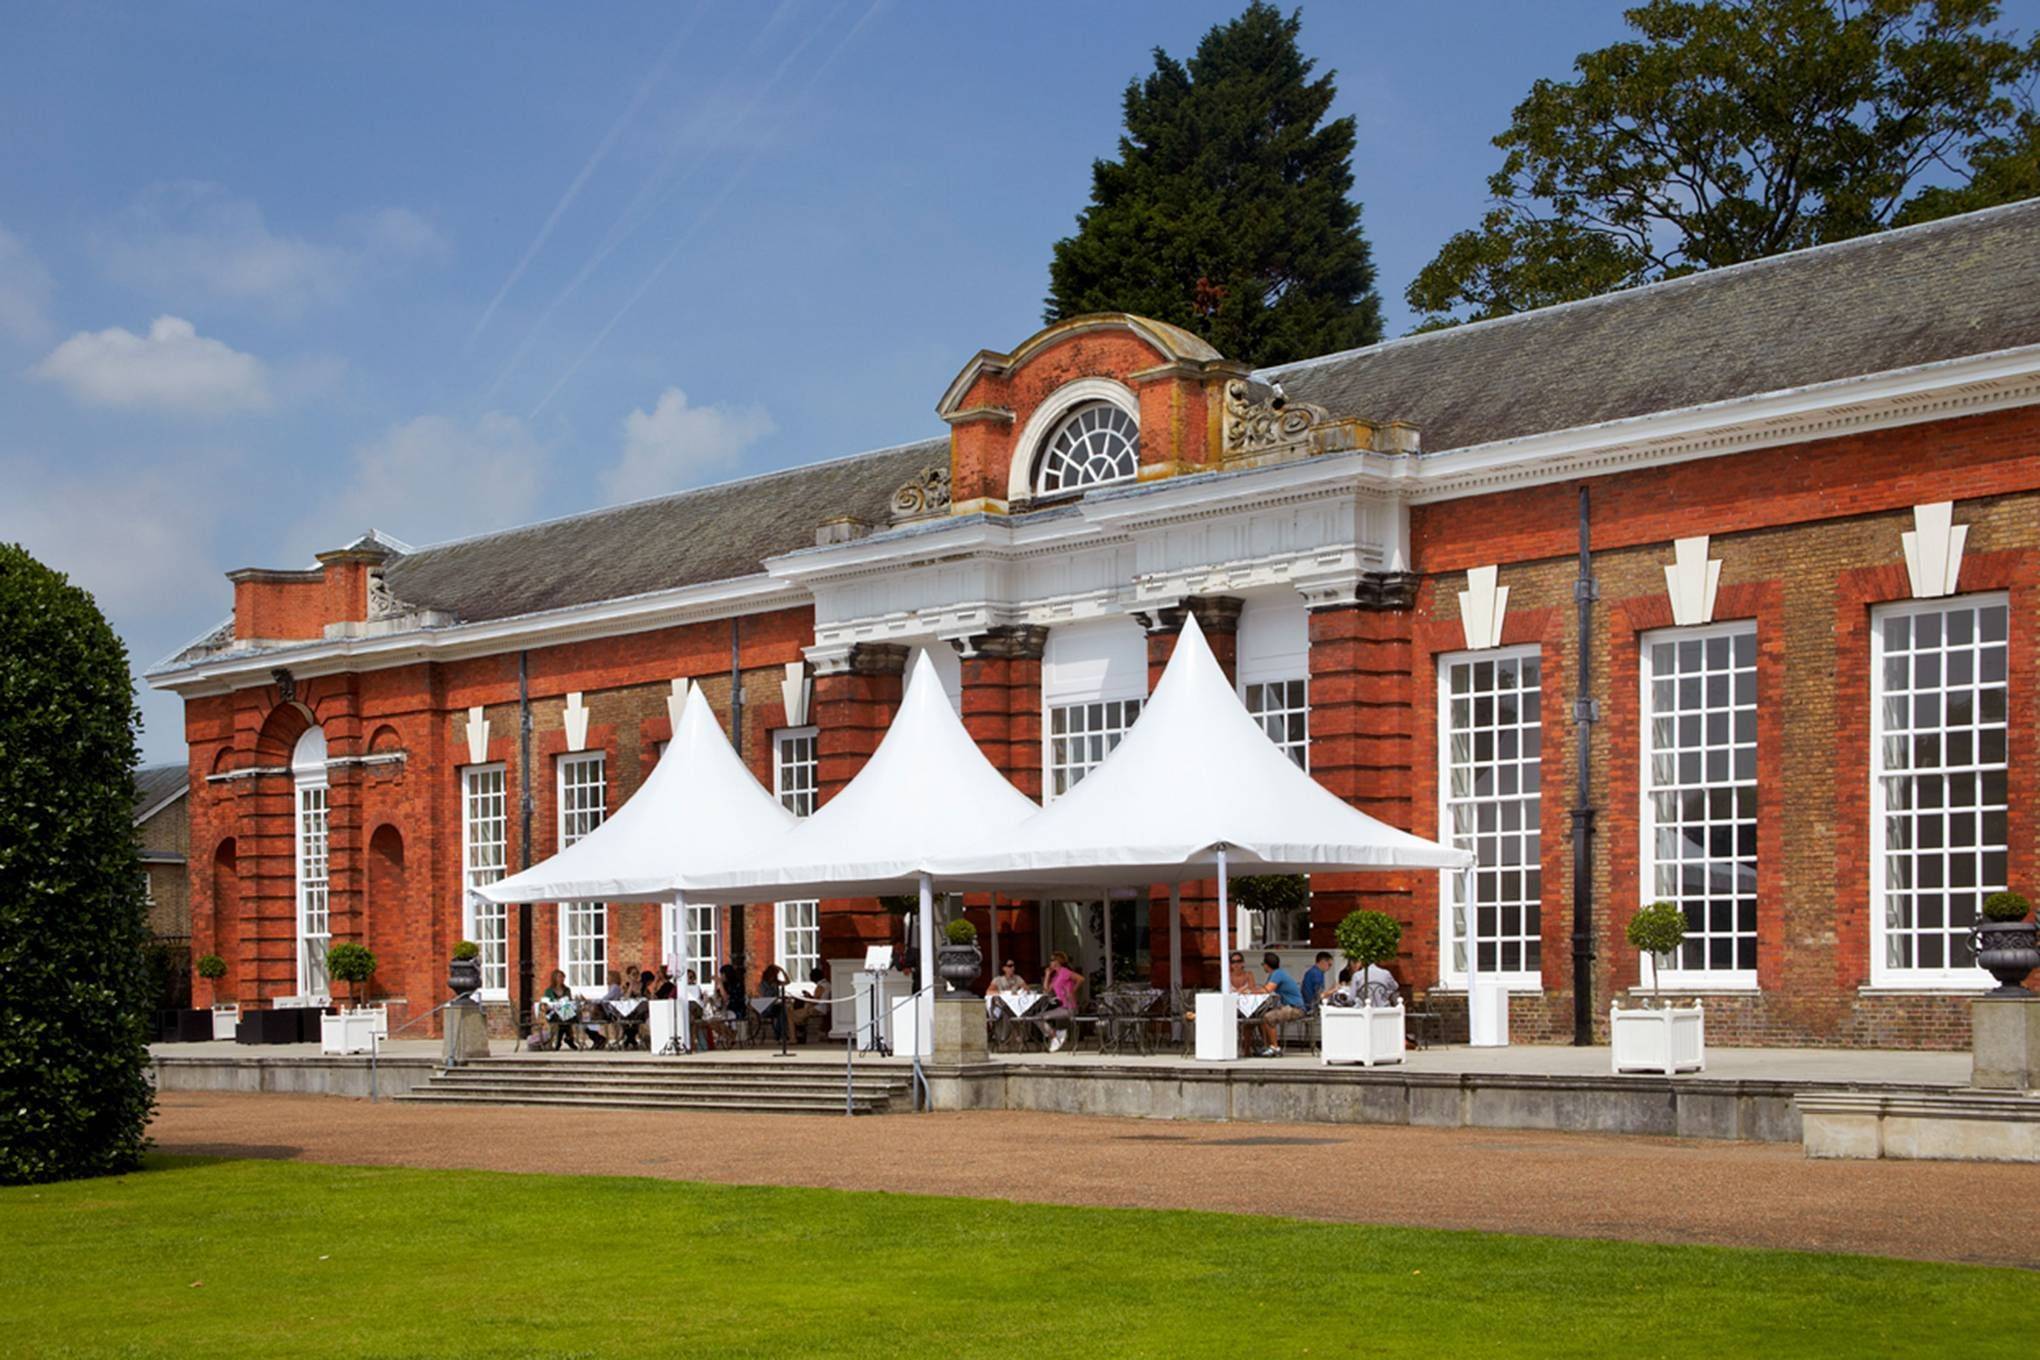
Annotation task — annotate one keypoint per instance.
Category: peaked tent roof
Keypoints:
(926, 791)
(699, 802)
(1195, 773)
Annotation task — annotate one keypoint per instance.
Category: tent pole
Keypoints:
(922, 987)
(995, 936)
(680, 1027)
(1224, 934)
(1175, 937)
(1108, 937)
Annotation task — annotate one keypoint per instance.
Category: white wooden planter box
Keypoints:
(1668, 1041)
(225, 1019)
(348, 1032)
(1368, 1035)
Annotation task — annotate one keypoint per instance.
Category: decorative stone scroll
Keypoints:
(1482, 607)
(1253, 426)
(926, 494)
(1933, 550)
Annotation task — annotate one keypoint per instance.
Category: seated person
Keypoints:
(598, 1019)
(559, 1007)
(1061, 984)
(631, 1032)
(1372, 985)
(1288, 1004)
(1007, 982)
(662, 987)
(1315, 977)
(810, 1014)
(772, 985)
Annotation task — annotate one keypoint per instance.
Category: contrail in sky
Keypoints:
(651, 82)
(715, 203)
(637, 213)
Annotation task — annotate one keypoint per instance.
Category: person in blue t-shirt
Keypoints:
(1314, 979)
(1288, 1004)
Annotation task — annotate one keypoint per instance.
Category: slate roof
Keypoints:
(711, 534)
(155, 784)
(1962, 286)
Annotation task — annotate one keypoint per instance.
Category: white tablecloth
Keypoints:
(1018, 1002)
(1252, 1002)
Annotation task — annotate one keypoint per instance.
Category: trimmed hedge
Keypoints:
(74, 989)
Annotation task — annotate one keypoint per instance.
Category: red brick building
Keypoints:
(1798, 499)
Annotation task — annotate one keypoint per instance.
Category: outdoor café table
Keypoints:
(1123, 1016)
(1252, 1002)
(1017, 1003)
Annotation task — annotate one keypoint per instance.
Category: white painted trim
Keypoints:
(1048, 415)
(468, 775)
(1882, 977)
(1516, 980)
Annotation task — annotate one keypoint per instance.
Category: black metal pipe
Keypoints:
(525, 977)
(736, 913)
(1585, 714)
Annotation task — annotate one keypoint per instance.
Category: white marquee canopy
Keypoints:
(700, 804)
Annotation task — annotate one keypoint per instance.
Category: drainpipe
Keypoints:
(524, 812)
(737, 923)
(1586, 712)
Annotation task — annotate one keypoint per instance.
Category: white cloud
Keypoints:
(192, 238)
(435, 478)
(172, 368)
(672, 446)
(25, 289)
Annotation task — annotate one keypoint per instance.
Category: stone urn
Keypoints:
(464, 978)
(2008, 951)
(958, 965)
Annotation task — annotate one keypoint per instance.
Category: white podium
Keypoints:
(1487, 1011)
(1218, 1028)
(911, 1040)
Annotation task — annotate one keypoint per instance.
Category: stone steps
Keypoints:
(809, 1088)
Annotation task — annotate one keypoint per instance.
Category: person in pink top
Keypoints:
(1061, 983)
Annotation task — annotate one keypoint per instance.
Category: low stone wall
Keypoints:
(1950, 1126)
(307, 1076)
(1685, 1107)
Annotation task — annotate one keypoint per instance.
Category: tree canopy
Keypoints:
(74, 1094)
(1227, 210)
(1730, 130)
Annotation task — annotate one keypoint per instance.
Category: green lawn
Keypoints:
(194, 1257)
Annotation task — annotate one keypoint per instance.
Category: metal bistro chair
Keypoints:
(1421, 1019)
(1122, 1020)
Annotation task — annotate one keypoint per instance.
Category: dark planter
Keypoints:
(958, 965)
(193, 1027)
(464, 977)
(2008, 950)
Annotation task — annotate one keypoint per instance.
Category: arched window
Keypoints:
(1095, 444)
(314, 922)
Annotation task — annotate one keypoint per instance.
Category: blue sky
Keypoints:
(271, 275)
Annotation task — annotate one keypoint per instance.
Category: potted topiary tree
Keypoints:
(225, 1019)
(2007, 943)
(353, 1030)
(1657, 1038)
(1270, 896)
(958, 959)
(1367, 1034)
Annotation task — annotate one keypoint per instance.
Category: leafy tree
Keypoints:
(352, 964)
(1226, 212)
(1369, 937)
(74, 1093)
(1735, 129)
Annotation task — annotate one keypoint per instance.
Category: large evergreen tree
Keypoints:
(74, 1093)
(1730, 130)
(1226, 211)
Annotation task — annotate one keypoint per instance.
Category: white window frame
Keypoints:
(1451, 969)
(1883, 974)
(1117, 423)
(1703, 978)
(1114, 718)
(704, 946)
(311, 838)
(1295, 702)
(796, 768)
(797, 937)
(582, 923)
(486, 923)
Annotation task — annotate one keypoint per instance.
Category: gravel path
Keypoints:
(1573, 1185)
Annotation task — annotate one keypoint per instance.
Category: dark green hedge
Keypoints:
(74, 1091)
